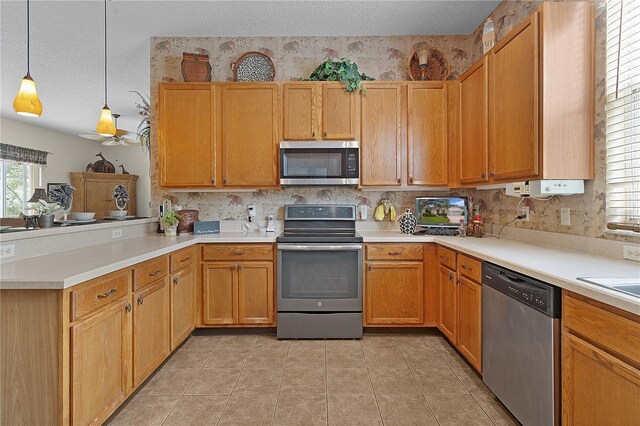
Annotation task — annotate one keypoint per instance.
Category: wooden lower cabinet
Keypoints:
(150, 329)
(394, 293)
(100, 363)
(600, 363)
(470, 321)
(255, 292)
(447, 319)
(238, 293)
(183, 305)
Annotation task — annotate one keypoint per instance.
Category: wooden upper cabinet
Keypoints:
(150, 329)
(339, 113)
(219, 293)
(514, 104)
(300, 115)
(470, 321)
(381, 144)
(394, 293)
(250, 135)
(255, 292)
(100, 364)
(427, 134)
(185, 135)
(473, 152)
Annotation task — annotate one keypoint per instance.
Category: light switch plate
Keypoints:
(565, 216)
(116, 233)
(632, 253)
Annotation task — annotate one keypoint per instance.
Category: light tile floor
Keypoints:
(397, 379)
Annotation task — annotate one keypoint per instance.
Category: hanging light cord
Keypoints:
(28, 73)
(105, 53)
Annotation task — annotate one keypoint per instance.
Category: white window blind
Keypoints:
(623, 114)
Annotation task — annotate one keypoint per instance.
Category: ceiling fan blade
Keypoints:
(95, 137)
(110, 142)
(130, 142)
(120, 133)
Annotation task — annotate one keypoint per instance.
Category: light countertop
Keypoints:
(555, 266)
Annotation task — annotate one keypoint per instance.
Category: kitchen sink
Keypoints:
(629, 286)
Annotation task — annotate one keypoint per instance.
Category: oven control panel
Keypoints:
(320, 212)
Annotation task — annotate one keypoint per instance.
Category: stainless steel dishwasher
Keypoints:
(521, 344)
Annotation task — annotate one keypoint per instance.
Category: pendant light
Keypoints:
(26, 102)
(106, 125)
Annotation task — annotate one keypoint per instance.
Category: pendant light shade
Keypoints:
(27, 102)
(106, 126)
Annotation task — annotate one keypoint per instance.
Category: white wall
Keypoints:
(72, 154)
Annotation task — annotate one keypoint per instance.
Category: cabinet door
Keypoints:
(300, 114)
(220, 288)
(427, 133)
(513, 106)
(186, 135)
(474, 124)
(98, 198)
(470, 321)
(150, 329)
(100, 364)
(255, 293)
(250, 135)
(183, 305)
(339, 113)
(381, 145)
(448, 315)
(597, 388)
(394, 293)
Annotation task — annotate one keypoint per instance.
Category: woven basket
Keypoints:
(437, 68)
(266, 73)
(196, 68)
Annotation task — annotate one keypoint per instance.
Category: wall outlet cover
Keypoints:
(565, 216)
(525, 211)
(632, 253)
(7, 250)
(116, 233)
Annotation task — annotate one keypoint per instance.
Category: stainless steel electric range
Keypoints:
(319, 273)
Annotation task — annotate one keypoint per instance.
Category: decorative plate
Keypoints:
(436, 68)
(253, 66)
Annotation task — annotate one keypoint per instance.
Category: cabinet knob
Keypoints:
(175, 280)
(213, 182)
(128, 307)
(325, 134)
(457, 280)
(411, 180)
(450, 277)
(313, 134)
(224, 181)
(483, 176)
(399, 180)
(368, 266)
(491, 174)
(140, 300)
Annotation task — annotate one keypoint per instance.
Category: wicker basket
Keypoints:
(253, 66)
(436, 69)
(196, 68)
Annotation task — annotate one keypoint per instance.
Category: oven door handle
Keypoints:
(304, 247)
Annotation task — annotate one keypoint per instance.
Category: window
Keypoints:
(623, 115)
(18, 182)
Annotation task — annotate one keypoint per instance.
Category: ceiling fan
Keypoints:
(122, 137)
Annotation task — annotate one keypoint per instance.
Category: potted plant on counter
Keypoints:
(46, 213)
(170, 222)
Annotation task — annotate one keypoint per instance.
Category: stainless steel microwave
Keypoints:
(326, 163)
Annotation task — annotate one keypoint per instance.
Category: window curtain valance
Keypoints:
(23, 155)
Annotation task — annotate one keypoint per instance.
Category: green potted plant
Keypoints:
(170, 222)
(343, 71)
(46, 213)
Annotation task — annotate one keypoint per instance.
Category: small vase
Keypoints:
(171, 231)
(408, 222)
(46, 220)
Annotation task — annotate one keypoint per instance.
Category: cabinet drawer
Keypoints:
(99, 293)
(394, 252)
(470, 268)
(447, 257)
(150, 271)
(182, 258)
(237, 252)
(616, 333)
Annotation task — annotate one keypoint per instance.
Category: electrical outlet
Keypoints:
(565, 216)
(632, 253)
(7, 250)
(525, 211)
(116, 233)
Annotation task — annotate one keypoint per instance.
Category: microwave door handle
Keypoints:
(303, 247)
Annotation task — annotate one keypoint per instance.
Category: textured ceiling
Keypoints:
(67, 42)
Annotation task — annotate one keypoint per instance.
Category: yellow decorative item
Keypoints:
(385, 208)
(27, 102)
